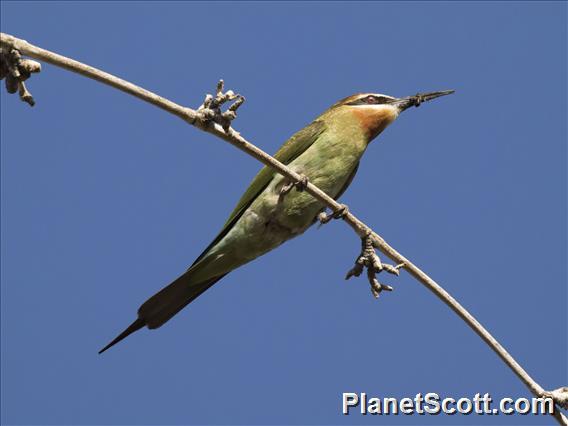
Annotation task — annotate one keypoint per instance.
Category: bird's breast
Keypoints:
(328, 167)
(275, 217)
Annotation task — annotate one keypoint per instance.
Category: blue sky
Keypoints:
(106, 199)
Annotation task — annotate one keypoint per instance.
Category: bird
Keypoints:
(326, 153)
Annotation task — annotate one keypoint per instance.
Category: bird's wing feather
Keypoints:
(287, 153)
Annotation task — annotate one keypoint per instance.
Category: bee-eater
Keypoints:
(327, 152)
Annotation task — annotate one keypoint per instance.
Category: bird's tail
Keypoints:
(162, 306)
(135, 326)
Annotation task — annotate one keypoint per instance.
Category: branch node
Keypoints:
(370, 260)
(17, 70)
(210, 111)
(25, 95)
(559, 396)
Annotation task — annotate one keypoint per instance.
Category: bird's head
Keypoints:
(373, 112)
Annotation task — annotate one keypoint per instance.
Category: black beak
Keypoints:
(416, 100)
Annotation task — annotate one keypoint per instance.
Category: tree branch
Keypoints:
(207, 123)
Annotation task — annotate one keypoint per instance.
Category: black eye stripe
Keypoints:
(371, 100)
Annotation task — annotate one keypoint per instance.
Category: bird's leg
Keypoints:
(370, 260)
(300, 185)
(323, 217)
(210, 111)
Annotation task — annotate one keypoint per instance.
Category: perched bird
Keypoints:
(327, 152)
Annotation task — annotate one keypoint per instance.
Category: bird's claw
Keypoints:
(210, 111)
(340, 213)
(300, 186)
(370, 260)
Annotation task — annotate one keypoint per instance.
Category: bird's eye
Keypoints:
(370, 100)
(375, 100)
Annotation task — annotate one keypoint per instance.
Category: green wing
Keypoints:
(287, 153)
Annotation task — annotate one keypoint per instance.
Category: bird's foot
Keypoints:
(340, 213)
(210, 111)
(300, 186)
(370, 260)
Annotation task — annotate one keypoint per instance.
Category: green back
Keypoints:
(287, 153)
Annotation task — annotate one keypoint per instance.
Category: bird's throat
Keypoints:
(374, 120)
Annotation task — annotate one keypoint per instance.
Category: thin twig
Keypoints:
(234, 138)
